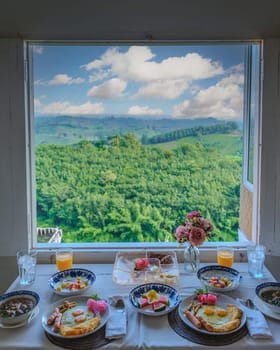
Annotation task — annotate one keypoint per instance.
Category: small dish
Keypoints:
(16, 307)
(165, 291)
(222, 302)
(228, 275)
(33, 314)
(81, 302)
(265, 310)
(263, 293)
(72, 281)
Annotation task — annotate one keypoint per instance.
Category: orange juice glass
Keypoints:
(225, 256)
(64, 259)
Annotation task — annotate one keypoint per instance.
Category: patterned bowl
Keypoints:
(166, 295)
(264, 294)
(72, 281)
(208, 274)
(16, 307)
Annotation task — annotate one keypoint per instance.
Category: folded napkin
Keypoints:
(256, 323)
(116, 326)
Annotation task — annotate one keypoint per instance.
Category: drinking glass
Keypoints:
(256, 257)
(225, 256)
(26, 260)
(64, 259)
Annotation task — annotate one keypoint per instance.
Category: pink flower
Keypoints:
(193, 214)
(197, 236)
(182, 234)
(141, 264)
(196, 229)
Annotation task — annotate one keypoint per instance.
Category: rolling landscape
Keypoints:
(119, 179)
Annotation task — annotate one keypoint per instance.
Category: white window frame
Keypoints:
(106, 252)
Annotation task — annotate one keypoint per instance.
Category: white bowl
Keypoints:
(11, 297)
(267, 287)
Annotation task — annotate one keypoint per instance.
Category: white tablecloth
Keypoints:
(144, 332)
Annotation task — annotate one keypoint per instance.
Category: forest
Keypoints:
(126, 191)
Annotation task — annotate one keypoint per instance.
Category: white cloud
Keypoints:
(110, 89)
(168, 89)
(37, 103)
(66, 108)
(38, 50)
(64, 79)
(223, 100)
(97, 76)
(136, 64)
(144, 110)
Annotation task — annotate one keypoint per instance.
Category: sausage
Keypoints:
(193, 319)
(53, 316)
(56, 326)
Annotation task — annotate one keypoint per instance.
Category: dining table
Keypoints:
(143, 331)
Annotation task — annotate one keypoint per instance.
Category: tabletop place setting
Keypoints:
(211, 313)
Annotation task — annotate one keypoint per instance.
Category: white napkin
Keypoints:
(256, 323)
(117, 324)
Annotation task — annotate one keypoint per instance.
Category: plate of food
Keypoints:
(75, 317)
(212, 314)
(154, 299)
(219, 278)
(71, 281)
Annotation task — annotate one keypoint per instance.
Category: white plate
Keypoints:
(23, 323)
(71, 275)
(265, 310)
(81, 300)
(164, 289)
(222, 300)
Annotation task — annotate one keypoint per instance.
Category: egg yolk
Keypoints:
(222, 313)
(208, 311)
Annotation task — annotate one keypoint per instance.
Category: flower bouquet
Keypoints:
(195, 230)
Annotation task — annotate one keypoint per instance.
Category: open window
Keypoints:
(127, 139)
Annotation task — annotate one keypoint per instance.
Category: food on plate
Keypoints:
(219, 282)
(153, 300)
(72, 319)
(72, 285)
(271, 296)
(73, 323)
(207, 298)
(213, 317)
(141, 264)
(165, 259)
(16, 307)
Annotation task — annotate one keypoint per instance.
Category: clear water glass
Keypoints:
(256, 257)
(27, 261)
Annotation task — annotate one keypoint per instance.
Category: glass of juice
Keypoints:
(64, 259)
(225, 256)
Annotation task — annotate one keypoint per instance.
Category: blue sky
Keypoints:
(176, 81)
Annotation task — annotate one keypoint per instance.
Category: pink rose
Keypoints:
(197, 236)
(141, 264)
(193, 214)
(182, 234)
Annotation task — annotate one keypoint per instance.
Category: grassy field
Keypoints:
(227, 144)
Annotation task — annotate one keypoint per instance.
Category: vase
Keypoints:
(191, 258)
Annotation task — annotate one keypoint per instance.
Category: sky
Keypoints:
(151, 81)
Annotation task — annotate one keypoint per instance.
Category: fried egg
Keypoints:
(213, 314)
(72, 317)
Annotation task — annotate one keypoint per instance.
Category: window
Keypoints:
(129, 138)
